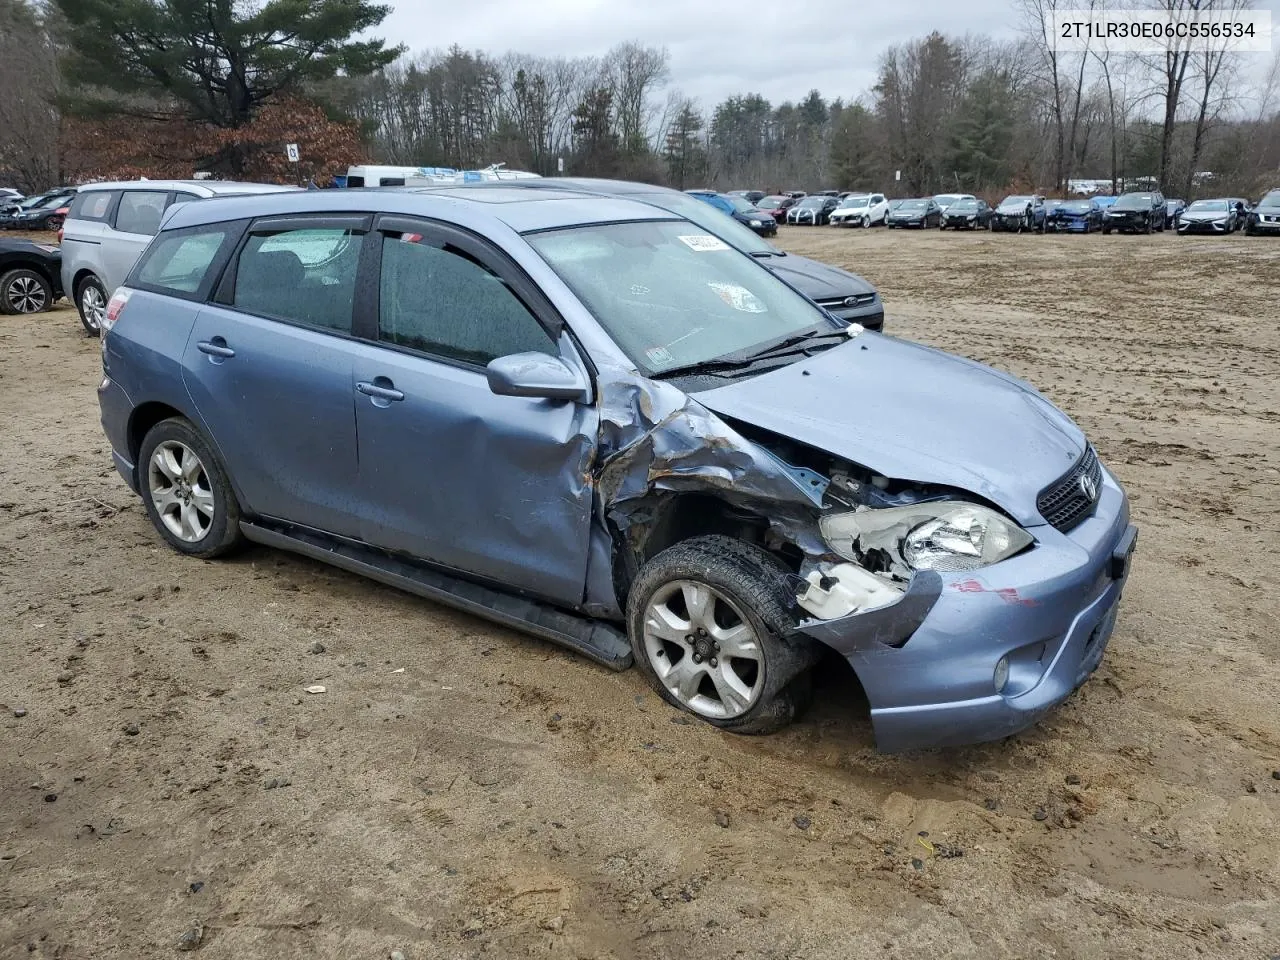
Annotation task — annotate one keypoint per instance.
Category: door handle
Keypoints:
(217, 347)
(380, 391)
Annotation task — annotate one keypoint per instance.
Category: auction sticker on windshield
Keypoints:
(704, 243)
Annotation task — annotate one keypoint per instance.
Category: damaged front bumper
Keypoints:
(929, 662)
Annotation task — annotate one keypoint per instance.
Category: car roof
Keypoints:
(519, 208)
(209, 188)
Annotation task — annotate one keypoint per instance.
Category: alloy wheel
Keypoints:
(94, 305)
(26, 295)
(703, 650)
(179, 487)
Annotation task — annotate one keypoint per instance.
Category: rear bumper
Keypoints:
(927, 664)
(117, 409)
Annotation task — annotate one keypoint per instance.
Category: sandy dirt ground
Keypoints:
(461, 790)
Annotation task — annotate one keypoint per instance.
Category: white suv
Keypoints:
(109, 225)
(860, 210)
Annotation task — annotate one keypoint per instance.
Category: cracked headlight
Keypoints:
(944, 535)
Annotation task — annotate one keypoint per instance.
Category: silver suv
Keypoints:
(109, 225)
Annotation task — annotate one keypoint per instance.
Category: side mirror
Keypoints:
(535, 375)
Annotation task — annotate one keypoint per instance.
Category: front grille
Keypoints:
(835, 304)
(1070, 499)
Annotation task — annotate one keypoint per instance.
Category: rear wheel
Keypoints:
(91, 302)
(187, 493)
(24, 291)
(706, 619)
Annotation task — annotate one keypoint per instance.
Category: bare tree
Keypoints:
(29, 81)
(635, 73)
(1212, 68)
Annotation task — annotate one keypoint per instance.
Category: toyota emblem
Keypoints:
(1088, 486)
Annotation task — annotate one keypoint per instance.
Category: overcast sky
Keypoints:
(781, 50)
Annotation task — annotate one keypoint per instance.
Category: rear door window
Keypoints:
(139, 211)
(92, 205)
(179, 262)
(305, 276)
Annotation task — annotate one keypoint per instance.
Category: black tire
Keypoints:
(223, 533)
(24, 291)
(757, 584)
(90, 282)
(1106, 231)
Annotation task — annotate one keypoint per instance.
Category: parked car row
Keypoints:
(45, 211)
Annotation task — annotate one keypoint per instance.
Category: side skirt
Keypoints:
(594, 639)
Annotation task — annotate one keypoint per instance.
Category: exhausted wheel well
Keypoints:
(680, 517)
(143, 419)
(79, 279)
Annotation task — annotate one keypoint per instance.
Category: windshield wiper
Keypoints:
(738, 361)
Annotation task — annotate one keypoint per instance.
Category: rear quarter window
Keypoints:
(92, 205)
(179, 262)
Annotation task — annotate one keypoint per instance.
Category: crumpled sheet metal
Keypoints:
(655, 440)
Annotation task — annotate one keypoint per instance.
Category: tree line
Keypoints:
(222, 85)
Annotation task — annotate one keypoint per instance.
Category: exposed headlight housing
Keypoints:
(942, 535)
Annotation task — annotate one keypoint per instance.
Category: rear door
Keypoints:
(494, 486)
(137, 218)
(268, 367)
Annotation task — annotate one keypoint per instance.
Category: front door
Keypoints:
(493, 486)
(269, 369)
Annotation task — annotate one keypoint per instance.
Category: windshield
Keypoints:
(1078, 206)
(670, 295)
(1272, 199)
(1133, 201)
(1206, 206)
(712, 220)
(962, 206)
(37, 203)
(912, 205)
(848, 202)
(1015, 202)
(742, 205)
(943, 199)
(812, 203)
(769, 203)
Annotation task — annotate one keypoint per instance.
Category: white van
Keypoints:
(371, 175)
(109, 225)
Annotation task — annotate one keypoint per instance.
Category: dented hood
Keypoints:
(910, 412)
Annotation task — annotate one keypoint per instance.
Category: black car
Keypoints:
(751, 196)
(1265, 217)
(923, 213)
(814, 210)
(42, 212)
(967, 214)
(30, 276)
(1140, 212)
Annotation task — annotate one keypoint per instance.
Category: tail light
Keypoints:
(114, 307)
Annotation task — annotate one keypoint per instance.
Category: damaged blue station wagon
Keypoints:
(594, 421)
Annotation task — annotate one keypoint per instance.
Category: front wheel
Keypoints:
(706, 619)
(186, 492)
(24, 291)
(91, 302)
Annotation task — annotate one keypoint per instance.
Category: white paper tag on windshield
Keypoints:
(704, 243)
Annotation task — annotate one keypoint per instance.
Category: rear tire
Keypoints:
(23, 291)
(186, 491)
(91, 303)
(696, 601)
